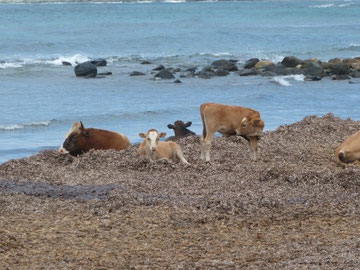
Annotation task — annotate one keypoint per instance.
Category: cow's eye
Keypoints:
(244, 125)
(148, 139)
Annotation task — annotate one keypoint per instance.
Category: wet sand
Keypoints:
(294, 208)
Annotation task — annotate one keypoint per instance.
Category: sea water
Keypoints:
(40, 98)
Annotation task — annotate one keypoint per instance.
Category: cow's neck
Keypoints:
(151, 154)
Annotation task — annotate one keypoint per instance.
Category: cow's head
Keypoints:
(349, 150)
(180, 128)
(250, 127)
(75, 140)
(152, 139)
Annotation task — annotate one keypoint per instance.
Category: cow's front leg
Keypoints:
(253, 148)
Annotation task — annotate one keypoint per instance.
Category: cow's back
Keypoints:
(104, 139)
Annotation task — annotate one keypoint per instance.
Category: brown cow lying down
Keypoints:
(349, 150)
(153, 149)
(79, 140)
(229, 120)
(180, 130)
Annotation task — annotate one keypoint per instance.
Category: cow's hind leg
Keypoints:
(205, 147)
(253, 148)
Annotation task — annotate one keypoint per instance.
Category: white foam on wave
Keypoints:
(216, 54)
(74, 59)
(10, 127)
(297, 77)
(9, 65)
(323, 6)
(281, 81)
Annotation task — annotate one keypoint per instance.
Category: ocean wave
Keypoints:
(351, 47)
(4, 65)
(201, 58)
(282, 80)
(11, 127)
(322, 6)
(106, 1)
(74, 59)
(331, 5)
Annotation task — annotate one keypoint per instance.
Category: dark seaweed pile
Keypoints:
(295, 192)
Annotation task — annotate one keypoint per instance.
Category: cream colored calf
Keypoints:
(349, 150)
(229, 120)
(154, 149)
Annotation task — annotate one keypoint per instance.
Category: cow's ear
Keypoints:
(170, 126)
(142, 135)
(188, 124)
(81, 125)
(162, 135)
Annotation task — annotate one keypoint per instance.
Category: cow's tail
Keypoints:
(202, 114)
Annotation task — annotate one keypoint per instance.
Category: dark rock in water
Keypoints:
(278, 69)
(191, 69)
(105, 73)
(177, 81)
(205, 75)
(2, 62)
(145, 62)
(251, 63)
(291, 61)
(165, 74)
(64, 63)
(174, 70)
(233, 60)
(85, 69)
(335, 60)
(341, 77)
(99, 62)
(312, 78)
(355, 73)
(225, 65)
(313, 69)
(221, 72)
(352, 82)
(187, 75)
(207, 69)
(248, 72)
(230, 67)
(221, 63)
(161, 67)
(137, 73)
(340, 69)
(293, 71)
(268, 74)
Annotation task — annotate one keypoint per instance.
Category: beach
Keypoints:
(131, 66)
(293, 208)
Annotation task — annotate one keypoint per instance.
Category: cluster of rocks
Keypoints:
(312, 69)
(88, 69)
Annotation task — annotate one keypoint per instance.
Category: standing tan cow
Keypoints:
(349, 150)
(229, 120)
(79, 140)
(154, 149)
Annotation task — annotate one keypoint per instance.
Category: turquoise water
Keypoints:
(40, 98)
